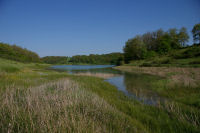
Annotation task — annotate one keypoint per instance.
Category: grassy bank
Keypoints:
(185, 57)
(35, 99)
(38, 100)
(180, 86)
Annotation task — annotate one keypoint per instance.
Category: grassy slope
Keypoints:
(35, 99)
(186, 57)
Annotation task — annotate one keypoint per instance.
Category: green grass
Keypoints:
(30, 103)
(163, 61)
(153, 119)
(34, 99)
(186, 57)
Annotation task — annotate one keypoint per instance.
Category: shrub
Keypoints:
(146, 65)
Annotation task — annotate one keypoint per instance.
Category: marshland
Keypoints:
(99, 66)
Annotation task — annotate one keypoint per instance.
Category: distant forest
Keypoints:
(111, 58)
(14, 52)
(148, 45)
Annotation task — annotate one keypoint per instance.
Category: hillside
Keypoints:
(185, 57)
(13, 52)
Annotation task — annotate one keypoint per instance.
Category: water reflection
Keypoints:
(137, 86)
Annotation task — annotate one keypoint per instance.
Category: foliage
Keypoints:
(17, 53)
(184, 57)
(55, 59)
(152, 43)
(111, 58)
(38, 100)
(196, 33)
(134, 49)
(163, 44)
(189, 52)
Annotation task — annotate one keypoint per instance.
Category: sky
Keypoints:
(77, 27)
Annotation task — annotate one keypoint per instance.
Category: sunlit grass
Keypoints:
(34, 99)
(60, 106)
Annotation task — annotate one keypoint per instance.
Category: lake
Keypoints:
(136, 86)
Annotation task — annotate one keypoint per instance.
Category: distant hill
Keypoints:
(14, 52)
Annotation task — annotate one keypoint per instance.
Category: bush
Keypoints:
(151, 54)
(190, 52)
(195, 62)
(165, 61)
(146, 65)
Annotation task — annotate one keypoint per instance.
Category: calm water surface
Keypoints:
(136, 86)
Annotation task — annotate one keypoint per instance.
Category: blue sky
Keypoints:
(71, 27)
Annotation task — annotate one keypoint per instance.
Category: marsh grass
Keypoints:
(59, 107)
(188, 77)
(154, 119)
(34, 99)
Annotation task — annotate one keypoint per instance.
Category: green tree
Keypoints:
(174, 38)
(134, 49)
(164, 44)
(149, 40)
(196, 33)
(183, 36)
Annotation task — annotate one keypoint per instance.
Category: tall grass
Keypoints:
(34, 99)
(159, 119)
(59, 107)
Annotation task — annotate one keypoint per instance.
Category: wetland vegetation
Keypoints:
(158, 91)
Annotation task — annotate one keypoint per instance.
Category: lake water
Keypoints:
(80, 67)
(136, 86)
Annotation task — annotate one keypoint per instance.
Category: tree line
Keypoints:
(111, 58)
(14, 52)
(158, 42)
(17, 53)
(55, 59)
(144, 46)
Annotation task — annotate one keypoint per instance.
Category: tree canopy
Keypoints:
(112, 58)
(55, 59)
(14, 52)
(152, 43)
(196, 33)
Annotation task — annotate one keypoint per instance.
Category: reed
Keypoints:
(59, 107)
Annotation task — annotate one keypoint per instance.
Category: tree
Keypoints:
(159, 33)
(174, 38)
(183, 36)
(173, 33)
(196, 33)
(134, 49)
(164, 44)
(149, 41)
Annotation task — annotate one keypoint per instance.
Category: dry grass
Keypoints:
(177, 75)
(57, 107)
(99, 75)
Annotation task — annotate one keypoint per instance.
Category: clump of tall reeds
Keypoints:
(60, 106)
